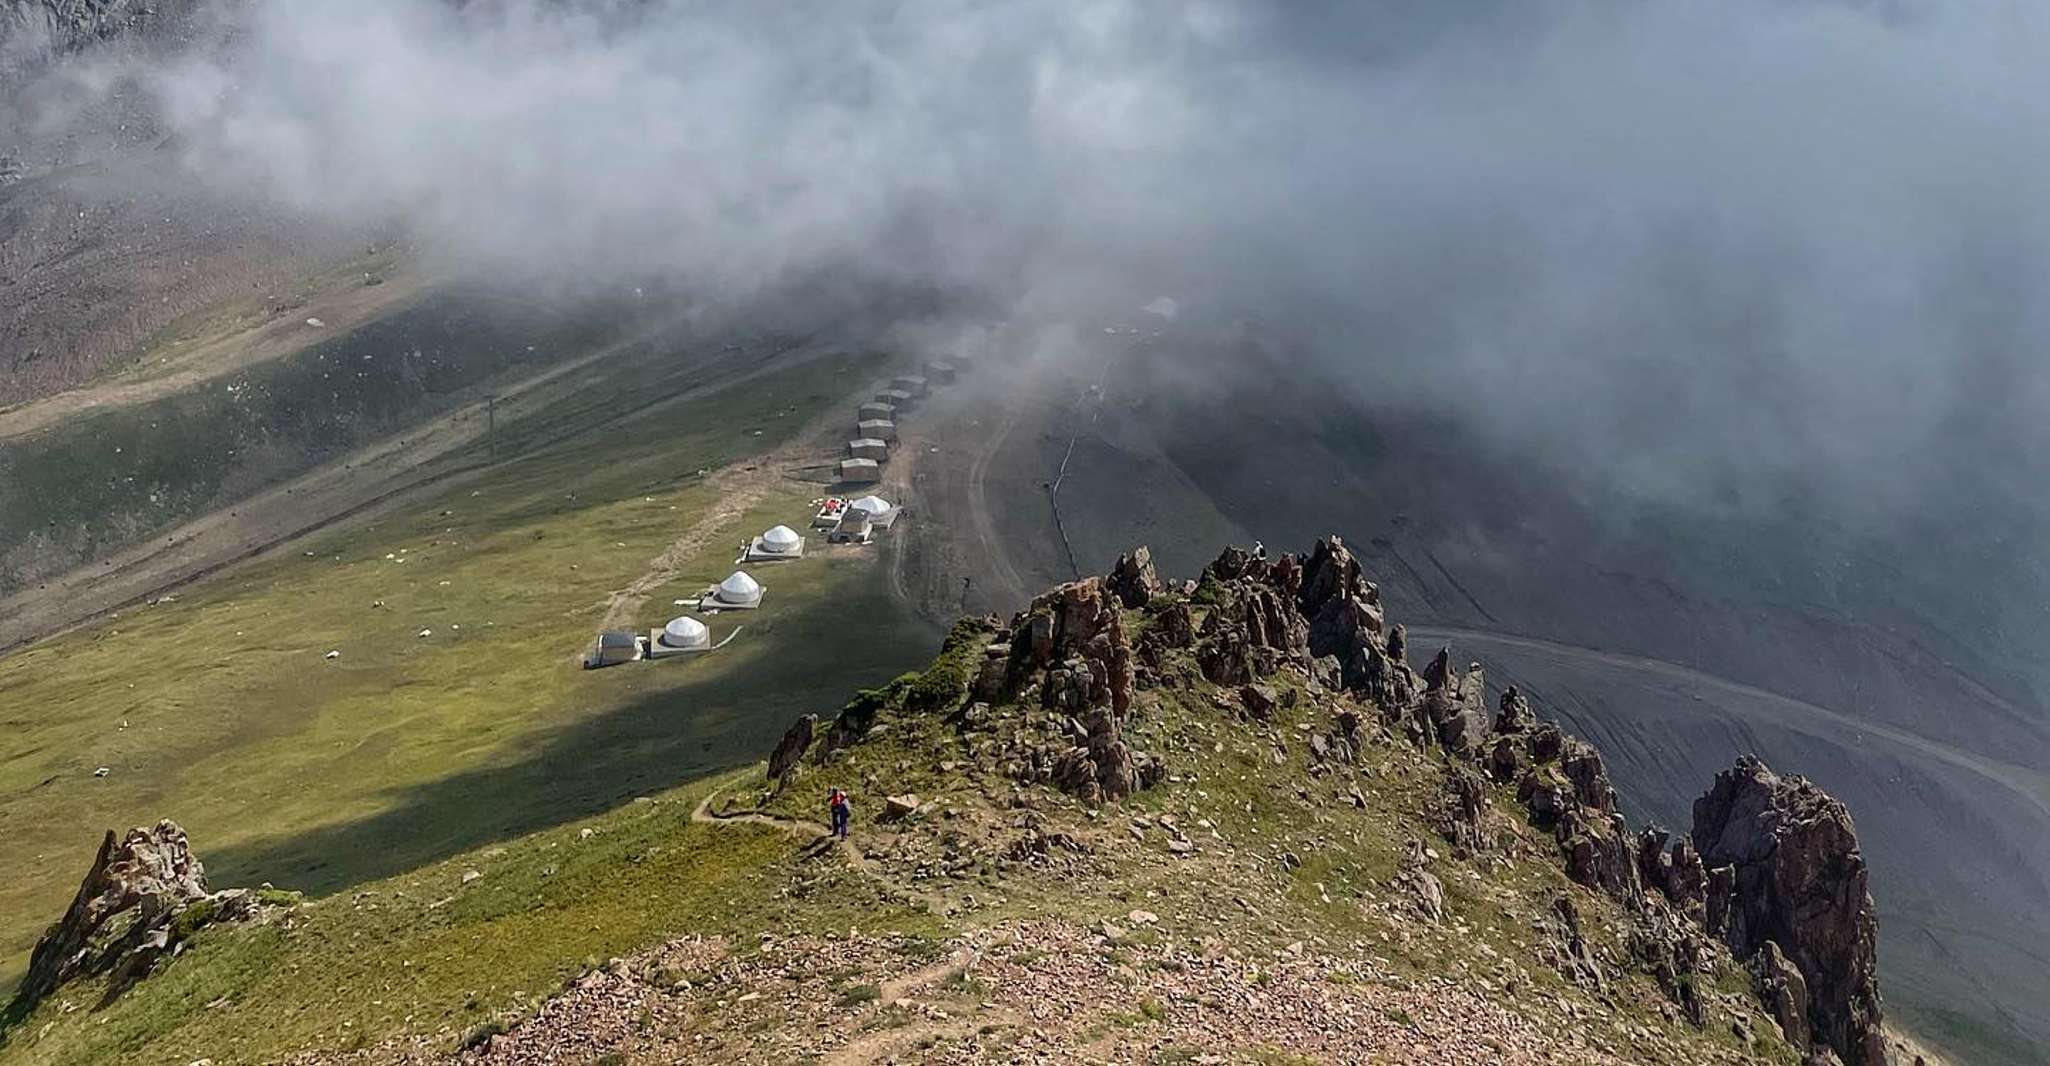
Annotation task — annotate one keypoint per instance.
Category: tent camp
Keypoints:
(861, 471)
(881, 429)
(739, 592)
(897, 398)
(942, 372)
(876, 409)
(782, 542)
(913, 384)
(868, 448)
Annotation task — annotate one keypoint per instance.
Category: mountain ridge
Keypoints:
(1097, 767)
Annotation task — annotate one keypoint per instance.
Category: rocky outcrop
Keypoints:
(1797, 887)
(1072, 643)
(1454, 708)
(1342, 607)
(796, 741)
(1513, 714)
(1462, 810)
(1771, 868)
(1133, 580)
(144, 895)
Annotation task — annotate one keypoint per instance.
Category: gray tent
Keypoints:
(862, 471)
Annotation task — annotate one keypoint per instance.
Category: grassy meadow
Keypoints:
(221, 711)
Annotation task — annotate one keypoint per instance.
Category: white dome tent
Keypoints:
(684, 636)
(880, 511)
(739, 592)
(685, 632)
(782, 542)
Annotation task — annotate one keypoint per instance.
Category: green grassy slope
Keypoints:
(104, 480)
(420, 959)
(220, 710)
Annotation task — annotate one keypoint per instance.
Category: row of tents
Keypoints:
(841, 521)
(740, 591)
(875, 422)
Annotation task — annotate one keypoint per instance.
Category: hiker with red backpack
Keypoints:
(836, 803)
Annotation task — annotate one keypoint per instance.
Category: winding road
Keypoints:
(1749, 701)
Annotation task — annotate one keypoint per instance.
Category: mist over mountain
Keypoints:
(1729, 251)
(1708, 332)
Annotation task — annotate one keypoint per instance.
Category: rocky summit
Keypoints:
(1142, 820)
(1769, 881)
(1792, 893)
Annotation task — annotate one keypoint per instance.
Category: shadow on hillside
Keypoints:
(655, 742)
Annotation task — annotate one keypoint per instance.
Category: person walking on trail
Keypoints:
(1260, 550)
(842, 812)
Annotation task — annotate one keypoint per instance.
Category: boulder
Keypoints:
(1512, 714)
(1798, 883)
(1133, 580)
(1583, 767)
(1452, 709)
(1654, 866)
(1462, 809)
(1232, 564)
(899, 807)
(1507, 760)
(1599, 854)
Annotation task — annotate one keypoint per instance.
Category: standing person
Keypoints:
(842, 812)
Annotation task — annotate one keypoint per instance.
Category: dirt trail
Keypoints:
(884, 1045)
(981, 521)
(740, 487)
(427, 455)
(816, 833)
(339, 311)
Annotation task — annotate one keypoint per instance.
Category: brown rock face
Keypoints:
(1075, 638)
(1785, 994)
(796, 741)
(1513, 714)
(1454, 706)
(1133, 580)
(1583, 766)
(136, 886)
(1342, 607)
(1798, 885)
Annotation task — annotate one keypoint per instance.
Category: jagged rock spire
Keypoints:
(1798, 883)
